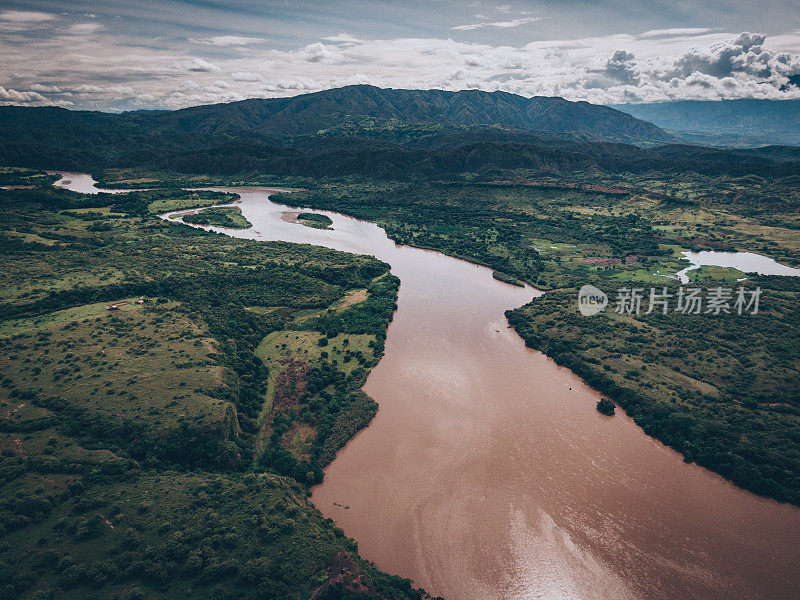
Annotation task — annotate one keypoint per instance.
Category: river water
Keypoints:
(488, 474)
(747, 262)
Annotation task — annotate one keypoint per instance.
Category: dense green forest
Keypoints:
(143, 446)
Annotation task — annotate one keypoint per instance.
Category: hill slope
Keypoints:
(309, 113)
(363, 130)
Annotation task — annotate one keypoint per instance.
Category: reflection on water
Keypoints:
(488, 473)
(747, 262)
(83, 183)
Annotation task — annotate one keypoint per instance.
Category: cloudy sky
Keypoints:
(144, 54)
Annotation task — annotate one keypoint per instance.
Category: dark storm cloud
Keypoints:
(622, 67)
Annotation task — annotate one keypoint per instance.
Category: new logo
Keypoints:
(591, 300)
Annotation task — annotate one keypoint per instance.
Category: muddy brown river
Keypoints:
(488, 474)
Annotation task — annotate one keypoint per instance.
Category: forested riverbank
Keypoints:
(721, 391)
(302, 411)
(134, 405)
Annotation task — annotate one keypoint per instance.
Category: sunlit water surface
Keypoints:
(747, 262)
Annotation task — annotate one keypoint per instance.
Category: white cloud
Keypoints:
(743, 54)
(20, 16)
(17, 96)
(245, 76)
(104, 71)
(196, 65)
(120, 91)
(499, 24)
(13, 21)
(343, 38)
(319, 52)
(299, 84)
(677, 31)
(11, 96)
(38, 87)
(622, 67)
(230, 40)
(88, 89)
(83, 28)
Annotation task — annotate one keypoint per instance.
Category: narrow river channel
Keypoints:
(488, 474)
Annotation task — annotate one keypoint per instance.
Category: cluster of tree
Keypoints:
(370, 316)
(330, 401)
(155, 535)
(219, 217)
(492, 225)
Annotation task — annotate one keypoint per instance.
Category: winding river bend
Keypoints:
(488, 474)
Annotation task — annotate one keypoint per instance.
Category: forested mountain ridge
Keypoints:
(309, 113)
(367, 131)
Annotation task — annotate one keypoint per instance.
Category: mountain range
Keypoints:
(369, 131)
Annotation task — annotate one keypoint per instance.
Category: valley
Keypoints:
(143, 447)
(309, 342)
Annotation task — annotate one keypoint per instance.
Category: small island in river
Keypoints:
(226, 216)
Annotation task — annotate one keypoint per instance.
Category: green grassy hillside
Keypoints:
(146, 449)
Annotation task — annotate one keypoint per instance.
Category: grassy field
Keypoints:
(720, 275)
(135, 364)
(342, 351)
(142, 451)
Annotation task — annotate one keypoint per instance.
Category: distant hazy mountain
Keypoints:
(742, 123)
